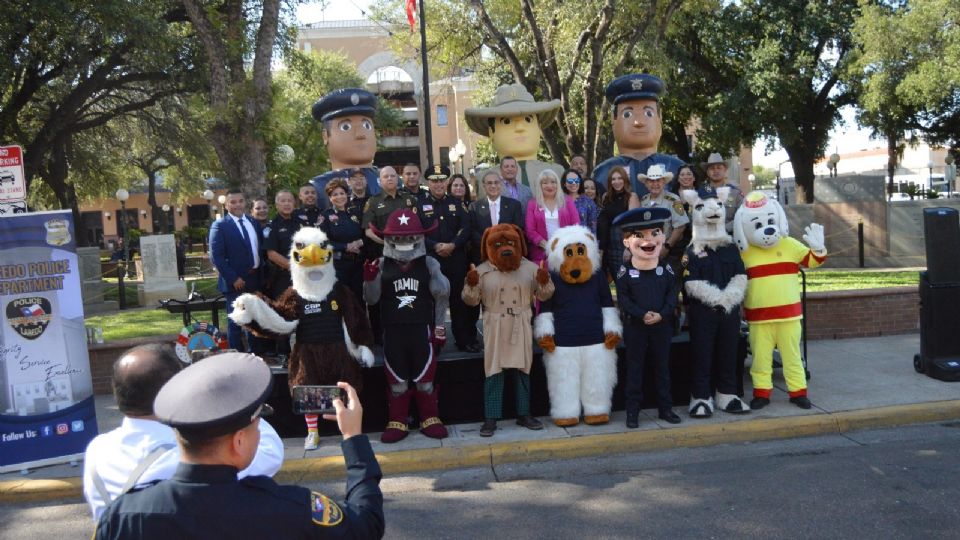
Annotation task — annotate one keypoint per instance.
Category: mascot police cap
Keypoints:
(635, 86)
(638, 219)
(345, 102)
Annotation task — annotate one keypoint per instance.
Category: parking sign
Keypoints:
(13, 188)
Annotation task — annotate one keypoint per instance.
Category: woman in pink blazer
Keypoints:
(546, 212)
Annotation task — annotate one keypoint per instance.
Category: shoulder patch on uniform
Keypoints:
(366, 205)
(622, 271)
(669, 268)
(685, 260)
(678, 207)
(324, 510)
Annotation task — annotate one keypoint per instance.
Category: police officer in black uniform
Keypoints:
(215, 407)
(341, 223)
(647, 297)
(447, 244)
(277, 243)
(309, 213)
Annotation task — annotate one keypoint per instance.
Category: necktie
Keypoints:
(243, 231)
(494, 213)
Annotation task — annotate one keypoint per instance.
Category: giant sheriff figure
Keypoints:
(636, 128)
(514, 123)
(348, 133)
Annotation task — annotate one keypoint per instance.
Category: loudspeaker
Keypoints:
(939, 340)
(941, 230)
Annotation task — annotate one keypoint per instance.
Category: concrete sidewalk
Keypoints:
(855, 384)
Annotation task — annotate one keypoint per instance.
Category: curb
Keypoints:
(493, 454)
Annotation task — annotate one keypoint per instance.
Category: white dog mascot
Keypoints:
(715, 282)
(772, 307)
(578, 329)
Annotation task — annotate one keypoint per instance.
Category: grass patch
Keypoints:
(834, 280)
(134, 323)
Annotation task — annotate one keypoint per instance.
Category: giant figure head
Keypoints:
(514, 121)
(347, 117)
(636, 113)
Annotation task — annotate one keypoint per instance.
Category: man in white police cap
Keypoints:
(214, 406)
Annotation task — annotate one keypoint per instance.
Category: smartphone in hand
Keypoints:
(316, 399)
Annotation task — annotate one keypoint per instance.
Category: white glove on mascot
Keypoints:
(578, 329)
(772, 306)
(715, 281)
(333, 336)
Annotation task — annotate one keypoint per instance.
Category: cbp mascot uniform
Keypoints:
(715, 283)
(413, 296)
(333, 336)
(772, 307)
(578, 328)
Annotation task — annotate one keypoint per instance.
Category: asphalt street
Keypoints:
(895, 483)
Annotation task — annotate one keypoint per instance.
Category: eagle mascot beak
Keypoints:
(311, 254)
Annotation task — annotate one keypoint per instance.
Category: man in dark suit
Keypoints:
(235, 242)
(491, 210)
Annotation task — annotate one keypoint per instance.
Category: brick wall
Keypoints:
(103, 355)
(863, 313)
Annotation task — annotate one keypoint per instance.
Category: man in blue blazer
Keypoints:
(236, 254)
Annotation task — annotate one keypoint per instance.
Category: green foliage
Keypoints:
(765, 178)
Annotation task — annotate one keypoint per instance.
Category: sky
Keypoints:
(844, 139)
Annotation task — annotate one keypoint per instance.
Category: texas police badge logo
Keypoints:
(324, 511)
(29, 315)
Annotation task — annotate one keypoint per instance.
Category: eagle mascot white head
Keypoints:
(311, 268)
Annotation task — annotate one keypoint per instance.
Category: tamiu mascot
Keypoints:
(715, 282)
(333, 336)
(773, 308)
(413, 296)
(578, 329)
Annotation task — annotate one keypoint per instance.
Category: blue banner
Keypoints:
(46, 391)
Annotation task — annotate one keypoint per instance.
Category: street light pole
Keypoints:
(222, 200)
(122, 196)
(948, 173)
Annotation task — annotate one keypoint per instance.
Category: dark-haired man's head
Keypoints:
(138, 376)
(236, 202)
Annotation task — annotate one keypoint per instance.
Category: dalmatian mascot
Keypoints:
(714, 282)
(578, 329)
(333, 336)
(772, 307)
(413, 296)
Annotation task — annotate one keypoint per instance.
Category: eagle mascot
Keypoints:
(333, 336)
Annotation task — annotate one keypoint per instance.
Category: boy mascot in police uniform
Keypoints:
(413, 295)
(578, 328)
(333, 336)
(715, 282)
(647, 292)
(506, 284)
(773, 309)
(348, 133)
(515, 122)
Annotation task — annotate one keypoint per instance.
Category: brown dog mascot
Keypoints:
(506, 284)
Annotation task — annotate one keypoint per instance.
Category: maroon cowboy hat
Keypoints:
(403, 222)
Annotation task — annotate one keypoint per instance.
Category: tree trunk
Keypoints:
(802, 161)
(893, 155)
(56, 177)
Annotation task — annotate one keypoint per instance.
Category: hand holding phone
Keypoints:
(349, 417)
(316, 399)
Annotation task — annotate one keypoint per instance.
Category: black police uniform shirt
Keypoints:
(451, 215)
(571, 327)
(281, 234)
(406, 297)
(207, 501)
(716, 267)
(320, 322)
(640, 291)
(341, 228)
(308, 216)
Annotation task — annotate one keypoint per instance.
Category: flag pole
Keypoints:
(427, 133)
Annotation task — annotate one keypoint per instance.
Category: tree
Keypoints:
(73, 66)
(233, 34)
(557, 50)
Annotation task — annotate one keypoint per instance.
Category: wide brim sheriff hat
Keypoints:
(345, 102)
(638, 219)
(714, 159)
(403, 222)
(656, 172)
(635, 86)
(511, 100)
(219, 395)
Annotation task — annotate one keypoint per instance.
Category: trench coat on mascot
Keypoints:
(515, 122)
(636, 128)
(413, 296)
(772, 306)
(347, 117)
(333, 336)
(578, 329)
